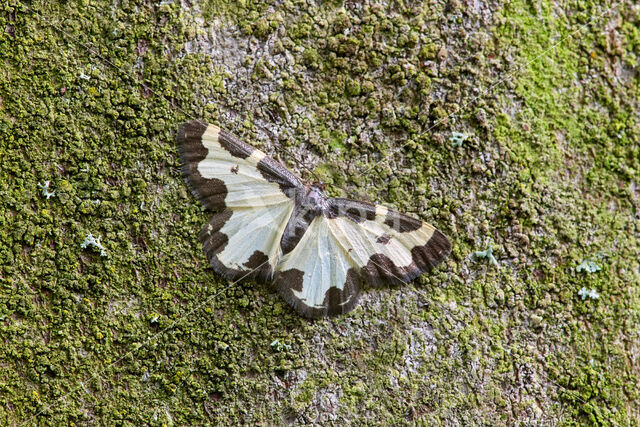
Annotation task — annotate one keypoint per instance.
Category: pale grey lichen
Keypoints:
(45, 189)
(488, 254)
(90, 240)
(458, 138)
(588, 266)
(279, 346)
(591, 293)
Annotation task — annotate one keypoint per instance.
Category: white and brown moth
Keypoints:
(268, 225)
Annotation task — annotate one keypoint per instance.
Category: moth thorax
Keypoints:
(316, 200)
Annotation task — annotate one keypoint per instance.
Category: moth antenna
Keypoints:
(283, 148)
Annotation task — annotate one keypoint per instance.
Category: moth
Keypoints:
(268, 225)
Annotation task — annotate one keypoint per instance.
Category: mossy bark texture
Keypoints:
(512, 126)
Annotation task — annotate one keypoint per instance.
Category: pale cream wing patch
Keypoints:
(252, 230)
(317, 277)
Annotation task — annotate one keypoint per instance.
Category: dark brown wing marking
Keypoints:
(273, 171)
(210, 192)
(336, 301)
(355, 210)
(234, 146)
(380, 269)
(401, 222)
(384, 238)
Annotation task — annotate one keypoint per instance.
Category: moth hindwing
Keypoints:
(269, 225)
